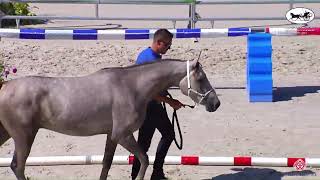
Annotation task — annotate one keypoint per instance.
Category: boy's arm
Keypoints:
(175, 104)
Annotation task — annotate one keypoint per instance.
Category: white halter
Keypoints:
(196, 92)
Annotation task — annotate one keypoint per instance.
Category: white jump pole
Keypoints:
(170, 160)
(136, 34)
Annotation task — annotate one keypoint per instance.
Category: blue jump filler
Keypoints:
(259, 67)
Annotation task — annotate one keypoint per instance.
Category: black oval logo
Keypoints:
(300, 15)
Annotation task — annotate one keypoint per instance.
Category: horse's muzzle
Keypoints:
(212, 106)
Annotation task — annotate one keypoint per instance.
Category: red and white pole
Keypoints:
(170, 160)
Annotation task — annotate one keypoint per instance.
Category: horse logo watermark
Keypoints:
(300, 15)
(299, 165)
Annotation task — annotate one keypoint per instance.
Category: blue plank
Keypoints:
(188, 33)
(85, 34)
(260, 84)
(32, 34)
(259, 37)
(238, 31)
(260, 51)
(261, 98)
(259, 66)
(137, 33)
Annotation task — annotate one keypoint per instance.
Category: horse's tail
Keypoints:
(4, 135)
(2, 83)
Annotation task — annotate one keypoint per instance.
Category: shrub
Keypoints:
(19, 9)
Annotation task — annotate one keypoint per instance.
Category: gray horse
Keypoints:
(110, 101)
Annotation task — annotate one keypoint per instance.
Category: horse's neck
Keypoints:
(157, 77)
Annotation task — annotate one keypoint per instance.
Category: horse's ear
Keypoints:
(195, 64)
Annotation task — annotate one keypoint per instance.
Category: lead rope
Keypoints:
(175, 118)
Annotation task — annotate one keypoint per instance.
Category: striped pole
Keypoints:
(170, 160)
(137, 34)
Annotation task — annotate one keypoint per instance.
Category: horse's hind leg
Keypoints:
(108, 157)
(4, 136)
(23, 140)
(132, 146)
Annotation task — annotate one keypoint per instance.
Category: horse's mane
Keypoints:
(162, 61)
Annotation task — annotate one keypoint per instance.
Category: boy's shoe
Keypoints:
(158, 175)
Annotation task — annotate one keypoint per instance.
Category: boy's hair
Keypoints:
(162, 34)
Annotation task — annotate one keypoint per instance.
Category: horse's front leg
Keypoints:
(132, 146)
(107, 158)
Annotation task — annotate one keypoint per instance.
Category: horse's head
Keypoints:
(197, 86)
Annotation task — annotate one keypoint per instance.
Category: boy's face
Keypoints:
(164, 45)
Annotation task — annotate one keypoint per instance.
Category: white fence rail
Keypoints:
(168, 1)
(192, 17)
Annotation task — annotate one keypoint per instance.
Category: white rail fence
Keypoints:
(192, 16)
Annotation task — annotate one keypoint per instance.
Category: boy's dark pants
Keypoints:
(156, 118)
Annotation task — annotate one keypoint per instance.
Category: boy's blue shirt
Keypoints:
(147, 55)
